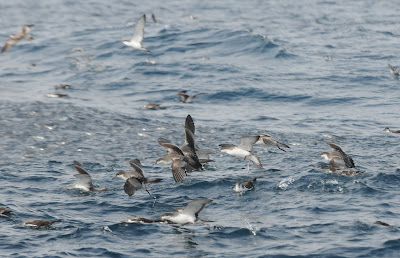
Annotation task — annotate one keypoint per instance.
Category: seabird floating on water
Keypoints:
(84, 181)
(337, 157)
(152, 106)
(137, 39)
(23, 34)
(245, 185)
(391, 131)
(38, 223)
(189, 214)
(4, 212)
(135, 178)
(244, 150)
(268, 140)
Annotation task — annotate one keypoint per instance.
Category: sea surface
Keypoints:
(305, 72)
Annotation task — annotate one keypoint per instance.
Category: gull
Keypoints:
(84, 181)
(14, 38)
(187, 148)
(244, 150)
(337, 157)
(394, 71)
(391, 131)
(268, 140)
(185, 97)
(245, 185)
(4, 212)
(136, 41)
(186, 215)
(134, 179)
(38, 223)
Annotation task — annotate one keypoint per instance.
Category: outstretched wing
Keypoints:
(247, 142)
(79, 167)
(132, 185)
(139, 29)
(195, 206)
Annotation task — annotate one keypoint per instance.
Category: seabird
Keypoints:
(394, 71)
(14, 38)
(38, 223)
(244, 150)
(268, 140)
(337, 157)
(56, 95)
(391, 131)
(189, 214)
(134, 179)
(245, 185)
(175, 155)
(378, 222)
(185, 97)
(153, 106)
(202, 155)
(4, 212)
(84, 181)
(137, 39)
(62, 86)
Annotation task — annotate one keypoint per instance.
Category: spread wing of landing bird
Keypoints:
(244, 150)
(84, 181)
(337, 157)
(185, 97)
(138, 35)
(177, 157)
(14, 38)
(268, 140)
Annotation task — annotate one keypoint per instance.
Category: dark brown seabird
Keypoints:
(4, 212)
(338, 158)
(38, 223)
(135, 178)
(391, 131)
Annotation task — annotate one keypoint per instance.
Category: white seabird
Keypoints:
(138, 35)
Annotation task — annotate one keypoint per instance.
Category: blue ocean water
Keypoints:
(261, 68)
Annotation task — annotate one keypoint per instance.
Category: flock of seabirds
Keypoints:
(187, 158)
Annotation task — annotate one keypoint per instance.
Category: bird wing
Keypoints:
(8, 44)
(189, 124)
(136, 166)
(178, 171)
(268, 140)
(339, 156)
(195, 206)
(247, 142)
(79, 167)
(132, 185)
(139, 29)
(171, 148)
(84, 180)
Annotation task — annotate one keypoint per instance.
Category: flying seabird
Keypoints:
(391, 131)
(190, 143)
(245, 185)
(244, 150)
(84, 181)
(185, 97)
(337, 157)
(4, 212)
(137, 39)
(394, 71)
(189, 214)
(178, 159)
(38, 223)
(268, 140)
(14, 38)
(134, 179)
